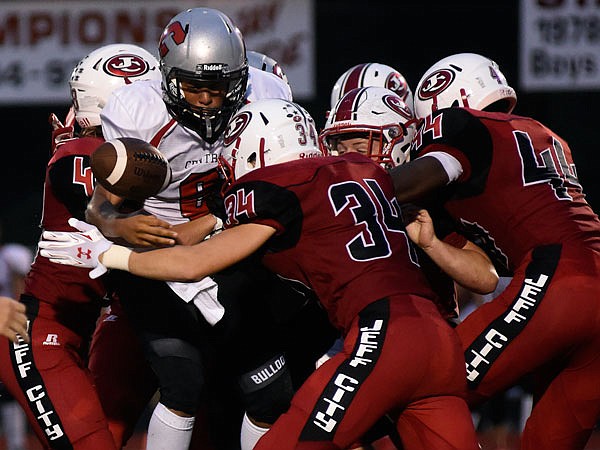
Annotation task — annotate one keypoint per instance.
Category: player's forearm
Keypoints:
(412, 181)
(190, 263)
(469, 268)
(195, 231)
(102, 212)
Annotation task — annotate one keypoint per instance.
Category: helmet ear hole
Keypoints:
(251, 161)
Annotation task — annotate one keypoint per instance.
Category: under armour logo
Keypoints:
(81, 253)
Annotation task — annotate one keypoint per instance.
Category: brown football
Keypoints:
(130, 168)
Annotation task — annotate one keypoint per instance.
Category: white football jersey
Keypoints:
(137, 110)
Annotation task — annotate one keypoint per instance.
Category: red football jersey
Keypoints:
(68, 186)
(339, 230)
(515, 193)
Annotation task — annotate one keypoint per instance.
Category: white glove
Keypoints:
(80, 249)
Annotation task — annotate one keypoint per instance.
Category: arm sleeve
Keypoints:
(451, 165)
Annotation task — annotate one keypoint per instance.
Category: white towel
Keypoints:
(204, 295)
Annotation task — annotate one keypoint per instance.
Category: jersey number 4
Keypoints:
(371, 242)
(546, 171)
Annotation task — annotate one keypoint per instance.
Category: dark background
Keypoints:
(407, 35)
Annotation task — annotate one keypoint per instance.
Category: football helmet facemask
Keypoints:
(467, 80)
(375, 113)
(267, 132)
(202, 47)
(102, 71)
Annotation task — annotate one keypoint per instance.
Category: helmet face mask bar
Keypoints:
(201, 47)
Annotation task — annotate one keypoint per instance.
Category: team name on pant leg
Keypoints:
(488, 346)
(346, 381)
(33, 387)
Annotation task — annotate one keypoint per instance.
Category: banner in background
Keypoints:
(559, 45)
(41, 41)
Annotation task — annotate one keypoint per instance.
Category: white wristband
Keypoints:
(219, 225)
(116, 257)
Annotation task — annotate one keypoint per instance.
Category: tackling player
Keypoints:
(47, 375)
(511, 181)
(201, 333)
(332, 224)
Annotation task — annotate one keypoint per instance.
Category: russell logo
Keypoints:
(51, 339)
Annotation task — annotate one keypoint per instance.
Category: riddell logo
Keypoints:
(51, 339)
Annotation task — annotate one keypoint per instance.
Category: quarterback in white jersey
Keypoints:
(184, 115)
(138, 110)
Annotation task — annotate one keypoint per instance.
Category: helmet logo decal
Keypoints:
(237, 126)
(395, 104)
(436, 83)
(394, 83)
(177, 33)
(125, 66)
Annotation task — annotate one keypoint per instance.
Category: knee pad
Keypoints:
(267, 390)
(178, 367)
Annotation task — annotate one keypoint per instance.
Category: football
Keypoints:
(130, 168)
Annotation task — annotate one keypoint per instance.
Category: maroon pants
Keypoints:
(546, 325)
(49, 379)
(399, 356)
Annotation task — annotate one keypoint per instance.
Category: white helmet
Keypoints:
(267, 132)
(467, 80)
(372, 112)
(203, 45)
(372, 74)
(102, 71)
(265, 63)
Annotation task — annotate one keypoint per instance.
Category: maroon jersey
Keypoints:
(339, 230)
(519, 188)
(63, 304)
(68, 186)
(519, 192)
